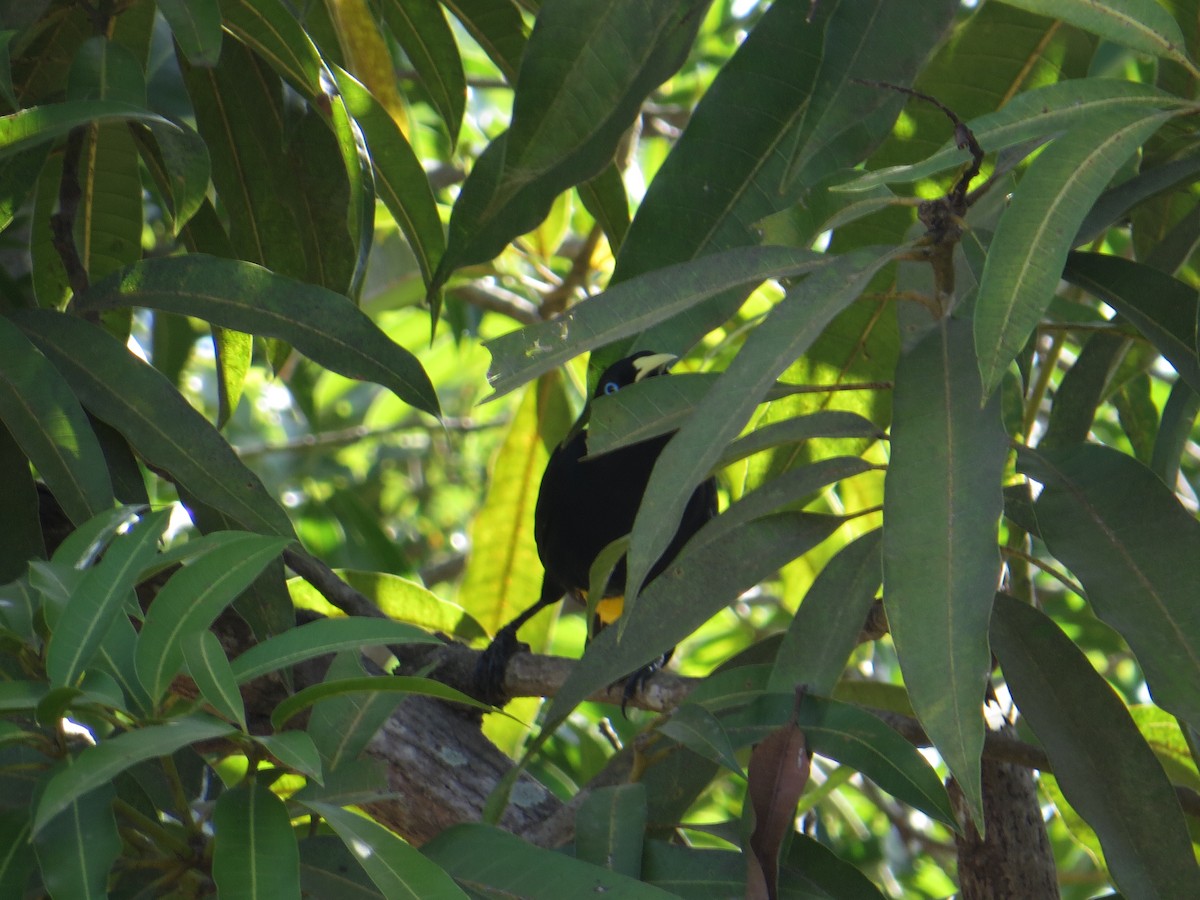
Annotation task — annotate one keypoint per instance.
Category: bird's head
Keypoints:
(631, 370)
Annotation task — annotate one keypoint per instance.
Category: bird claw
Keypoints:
(490, 670)
(636, 681)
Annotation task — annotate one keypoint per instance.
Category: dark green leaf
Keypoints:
(254, 848)
(825, 628)
(421, 29)
(46, 420)
(1100, 759)
(319, 323)
(158, 422)
(1161, 307)
(1124, 534)
(1026, 257)
(626, 309)
(95, 766)
(790, 328)
(209, 667)
(609, 827)
(320, 637)
(78, 846)
(196, 27)
(500, 863)
(397, 868)
(942, 505)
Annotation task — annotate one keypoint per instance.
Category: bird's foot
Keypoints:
(636, 681)
(491, 668)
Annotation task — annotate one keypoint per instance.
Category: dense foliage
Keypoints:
(930, 267)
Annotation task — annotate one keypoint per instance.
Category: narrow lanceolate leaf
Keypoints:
(633, 306)
(278, 37)
(776, 100)
(1142, 25)
(610, 826)
(497, 863)
(100, 598)
(1102, 762)
(825, 628)
(193, 597)
(1026, 257)
(321, 637)
(151, 414)
(36, 124)
(77, 848)
(41, 413)
(196, 27)
(942, 502)
(209, 667)
(1128, 539)
(421, 29)
(789, 329)
(705, 577)
(255, 856)
(572, 106)
(497, 28)
(401, 182)
(504, 574)
(323, 325)
(1161, 307)
(396, 867)
(98, 765)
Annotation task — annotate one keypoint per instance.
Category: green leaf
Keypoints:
(398, 869)
(942, 503)
(196, 27)
(44, 418)
(786, 94)
(104, 69)
(388, 686)
(76, 849)
(101, 596)
(400, 179)
(177, 159)
(397, 598)
(609, 827)
(275, 33)
(97, 765)
(320, 637)
(499, 863)
(420, 27)
(1026, 257)
(825, 629)
(1106, 770)
(254, 848)
(1161, 307)
(158, 422)
(584, 74)
(36, 124)
(209, 667)
(701, 732)
(1123, 533)
(787, 332)
(705, 577)
(633, 306)
(497, 28)
(853, 737)
(1141, 25)
(193, 597)
(319, 323)
(16, 863)
(294, 749)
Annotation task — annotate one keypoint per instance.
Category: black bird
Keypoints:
(583, 506)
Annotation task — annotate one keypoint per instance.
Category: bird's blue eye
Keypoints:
(611, 387)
